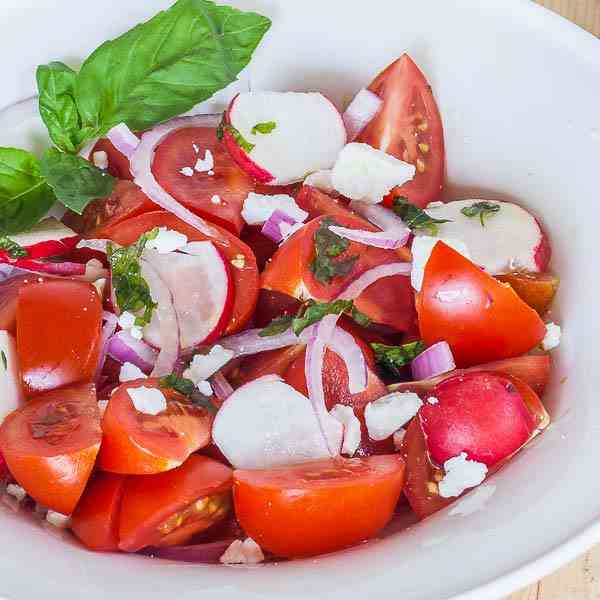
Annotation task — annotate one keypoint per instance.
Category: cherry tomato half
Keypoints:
(50, 445)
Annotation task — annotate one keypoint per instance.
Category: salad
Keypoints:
(258, 334)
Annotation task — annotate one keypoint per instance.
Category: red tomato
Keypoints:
(118, 163)
(4, 472)
(273, 304)
(141, 444)
(245, 277)
(196, 192)
(318, 507)
(126, 201)
(58, 333)
(317, 203)
(536, 289)
(409, 127)
(169, 508)
(262, 246)
(389, 301)
(50, 445)
(482, 319)
(96, 519)
(272, 362)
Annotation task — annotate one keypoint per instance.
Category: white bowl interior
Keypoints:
(518, 89)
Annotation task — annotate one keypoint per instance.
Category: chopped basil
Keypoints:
(187, 388)
(393, 358)
(481, 209)
(328, 246)
(4, 361)
(239, 139)
(415, 218)
(131, 290)
(264, 128)
(360, 318)
(12, 248)
(277, 326)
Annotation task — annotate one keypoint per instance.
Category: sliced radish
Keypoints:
(11, 394)
(267, 423)
(202, 290)
(305, 134)
(510, 239)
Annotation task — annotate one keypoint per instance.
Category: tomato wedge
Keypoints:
(96, 519)
(409, 127)
(58, 333)
(50, 445)
(169, 508)
(178, 151)
(535, 289)
(272, 362)
(318, 507)
(126, 201)
(244, 271)
(141, 444)
(118, 163)
(482, 319)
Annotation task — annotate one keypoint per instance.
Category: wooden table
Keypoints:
(581, 579)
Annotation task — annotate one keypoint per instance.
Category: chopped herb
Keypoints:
(4, 361)
(360, 318)
(393, 358)
(187, 388)
(131, 289)
(239, 139)
(12, 248)
(415, 218)
(329, 245)
(481, 209)
(277, 326)
(266, 127)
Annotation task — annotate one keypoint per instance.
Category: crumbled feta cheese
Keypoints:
(131, 372)
(126, 320)
(552, 338)
(100, 285)
(16, 491)
(136, 332)
(187, 171)
(461, 474)
(167, 241)
(205, 388)
(195, 147)
(102, 404)
(149, 401)
(210, 173)
(432, 400)
(57, 519)
(320, 180)
(205, 164)
(258, 208)
(205, 365)
(100, 160)
(286, 229)
(386, 415)
(247, 552)
(422, 248)
(216, 199)
(398, 438)
(345, 415)
(363, 173)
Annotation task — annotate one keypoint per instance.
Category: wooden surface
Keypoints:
(579, 580)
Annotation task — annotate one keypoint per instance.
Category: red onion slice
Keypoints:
(51, 268)
(380, 216)
(221, 387)
(345, 346)
(434, 361)
(361, 112)
(109, 328)
(250, 342)
(388, 240)
(123, 139)
(361, 283)
(123, 347)
(141, 169)
(273, 226)
(209, 553)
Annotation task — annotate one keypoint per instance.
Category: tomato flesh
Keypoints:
(58, 334)
(95, 521)
(318, 507)
(170, 507)
(118, 163)
(535, 289)
(50, 445)
(140, 444)
(409, 127)
(481, 318)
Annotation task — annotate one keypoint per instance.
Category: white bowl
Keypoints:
(518, 89)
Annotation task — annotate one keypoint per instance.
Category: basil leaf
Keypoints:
(415, 218)
(317, 310)
(11, 247)
(329, 245)
(4, 361)
(482, 209)
(360, 318)
(25, 197)
(165, 66)
(276, 326)
(187, 388)
(264, 128)
(393, 358)
(239, 139)
(75, 181)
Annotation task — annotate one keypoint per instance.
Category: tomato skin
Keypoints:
(231, 184)
(408, 119)
(245, 278)
(95, 521)
(139, 444)
(58, 333)
(317, 203)
(118, 163)
(51, 443)
(535, 289)
(318, 507)
(262, 246)
(272, 362)
(482, 319)
(149, 500)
